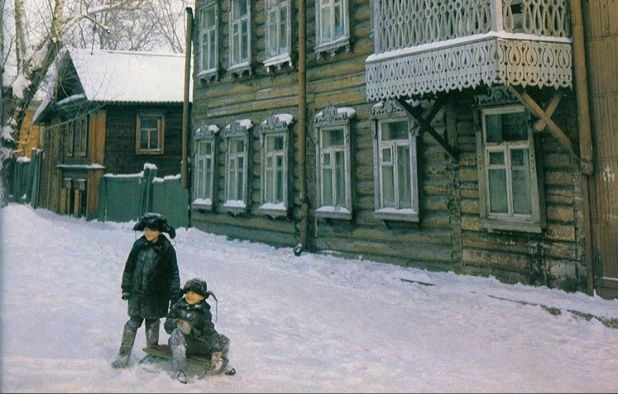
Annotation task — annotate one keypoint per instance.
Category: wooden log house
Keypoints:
(110, 112)
(448, 135)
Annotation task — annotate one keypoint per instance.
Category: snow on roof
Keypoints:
(130, 76)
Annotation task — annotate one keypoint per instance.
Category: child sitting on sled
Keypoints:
(192, 332)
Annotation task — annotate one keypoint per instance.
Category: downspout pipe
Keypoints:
(302, 139)
(585, 134)
(185, 106)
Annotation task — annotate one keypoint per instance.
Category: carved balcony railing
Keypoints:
(430, 46)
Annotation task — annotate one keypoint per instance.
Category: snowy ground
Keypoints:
(313, 323)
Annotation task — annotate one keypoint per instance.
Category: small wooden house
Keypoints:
(110, 112)
(450, 135)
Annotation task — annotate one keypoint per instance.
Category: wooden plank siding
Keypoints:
(120, 156)
(449, 235)
(602, 53)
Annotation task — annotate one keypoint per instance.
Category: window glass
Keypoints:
(507, 127)
(511, 192)
(395, 162)
(208, 38)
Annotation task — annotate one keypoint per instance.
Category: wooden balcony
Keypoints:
(429, 46)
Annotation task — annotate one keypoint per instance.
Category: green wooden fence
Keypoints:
(25, 180)
(127, 197)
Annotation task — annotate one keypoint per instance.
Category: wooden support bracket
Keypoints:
(551, 107)
(537, 111)
(425, 122)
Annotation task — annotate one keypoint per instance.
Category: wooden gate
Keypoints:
(602, 47)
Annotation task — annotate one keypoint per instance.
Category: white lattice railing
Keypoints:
(407, 23)
(424, 46)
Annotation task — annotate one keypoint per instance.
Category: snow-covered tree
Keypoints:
(33, 33)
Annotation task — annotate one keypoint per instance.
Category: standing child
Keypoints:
(192, 332)
(150, 281)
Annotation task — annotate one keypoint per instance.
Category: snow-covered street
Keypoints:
(314, 323)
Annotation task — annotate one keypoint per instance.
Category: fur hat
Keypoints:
(197, 286)
(155, 221)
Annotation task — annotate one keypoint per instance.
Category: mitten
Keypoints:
(184, 326)
(125, 296)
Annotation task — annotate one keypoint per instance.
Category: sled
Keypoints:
(202, 363)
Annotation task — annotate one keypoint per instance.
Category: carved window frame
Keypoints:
(210, 34)
(328, 120)
(236, 42)
(335, 41)
(274, 10)
(276, 126)
(533, 222)
(381, 114)
(159, 149)
(236, 202)
(204, 166)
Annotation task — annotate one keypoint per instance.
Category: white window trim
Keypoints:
(385, 112)
(239, 129)
(240, 65)
(334, 44)
(533, 223)
(207, 133)
(206, 73)
(334, 118)
(276, 125)
(277, 60)
(161, 133)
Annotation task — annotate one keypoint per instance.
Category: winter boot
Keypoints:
(152, 333)
(181, 376)
(128, 338)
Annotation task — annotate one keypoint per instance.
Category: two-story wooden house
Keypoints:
(110, 112)
(443, 134)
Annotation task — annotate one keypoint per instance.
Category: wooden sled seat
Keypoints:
(203, 363)
(164, 351)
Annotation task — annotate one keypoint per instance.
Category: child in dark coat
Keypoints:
(150, 281)
(192, 332)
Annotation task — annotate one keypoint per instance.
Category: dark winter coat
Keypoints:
(151, 278)
(199, 317)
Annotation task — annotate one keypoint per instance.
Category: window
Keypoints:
(278, 33)
(77, 137)
(274, 142)
(236, 135)
(332, 30)
(208, 40)
(150, 133)
(70, 133)
(395, 174)
(81, 136)
(240, 35)
(205, 147)
(333, 163)
(508, 184)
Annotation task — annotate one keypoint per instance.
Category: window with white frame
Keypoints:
(396, 185)
(278, 33)
(332, 28)
(150, 133)
(333, 163)
(275, 147)
(204, 140)
(240, 34)
(510, 197)
(236, 136)
(208, 40)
